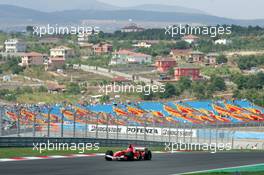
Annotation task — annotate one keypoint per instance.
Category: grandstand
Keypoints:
(135, 114)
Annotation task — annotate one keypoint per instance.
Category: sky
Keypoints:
(237, 9)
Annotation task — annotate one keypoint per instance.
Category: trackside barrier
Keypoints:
(28, 142)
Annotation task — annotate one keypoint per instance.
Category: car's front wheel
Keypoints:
(107, 154)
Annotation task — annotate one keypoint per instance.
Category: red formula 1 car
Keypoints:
(131, 153)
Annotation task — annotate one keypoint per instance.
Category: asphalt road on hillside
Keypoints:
(162, 164)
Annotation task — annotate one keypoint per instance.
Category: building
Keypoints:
(55, 87)
(120, 79)
(180, 54)
(222, 41)
(86, 49)
(211, 58)
(48, 40)
(7, 78)
(164, 64)
(190, 39)
(32, 58)
(83, 37)
(1, 48)
(54, 63)
(129, 57)
(132, 28)
(197, 57)
(102, 48)
(14, 46)
(62, 51)
(142, 44)
(187, 71)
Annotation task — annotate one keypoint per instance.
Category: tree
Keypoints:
(104, 99)
(27, 89)
(171, 71)
(199, 90)
(221, 59)
(16, 69)
(30, 29)
(182, 45)
(184, 83)
(42, 89)
(73, 88)
(144, 96)
(170, 91)
(217, 84)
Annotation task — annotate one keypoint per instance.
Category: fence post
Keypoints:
(210, 134)
(184, 130)
(117, 126)
(18, 119)
(169, 132)
(74, 123)
(177, 136)
(216, 134)
(34, 126)
(97, 120)
(145, 127)
(86, 125)
(49, 111)
(62, 123)
(1, 120)
(107, 123)
(191, 139)
(153, 139)
(126, 128)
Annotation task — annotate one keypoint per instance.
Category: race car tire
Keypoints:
(110, 153)
(148, 155)
(130, 155)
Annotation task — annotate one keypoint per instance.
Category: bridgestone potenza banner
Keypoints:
(141, 130)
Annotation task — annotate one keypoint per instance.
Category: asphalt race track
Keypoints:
(162, 164)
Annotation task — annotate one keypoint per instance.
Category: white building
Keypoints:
(223, 41)
(62, 51)
(83, 37)
(132, 28)
(190, 39)
(14, 46)
(129, 57)
(142, 45)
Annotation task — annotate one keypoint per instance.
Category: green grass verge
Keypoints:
(238, 173)
(255, 169)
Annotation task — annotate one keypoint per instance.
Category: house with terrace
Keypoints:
(129, 57)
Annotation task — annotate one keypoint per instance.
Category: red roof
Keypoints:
(166, 59)
(56, 59)
(130, 53)
(190, 37)
(181, 51)
(33, 54)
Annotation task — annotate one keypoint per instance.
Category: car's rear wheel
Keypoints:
(109, 153)
(148, 155)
